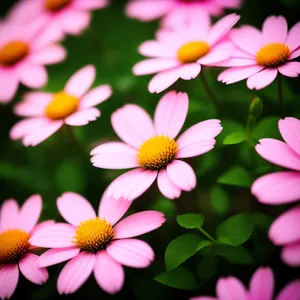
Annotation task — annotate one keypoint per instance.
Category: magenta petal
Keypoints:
(293, 37)
(9, 277)
(291, 291)
(76, 21)
(51, 55)
(231, 288)
(91, 4)
(291, 254)
(261, 79)
(275, 29)
(9, 215)
(262, 284)
(166, 186)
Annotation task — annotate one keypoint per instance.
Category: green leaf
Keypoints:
(180, 278)
(203, 244)
(180, 249)
(207, 267)
(236, 255)
(261, 220)
(237, 229)
(267, 128)
(219, 200)
(190, 221)
(167, 207)
(236, 176)
(235, 138)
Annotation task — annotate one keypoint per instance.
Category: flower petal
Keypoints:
(9, 215)
(261, 79)
(154, 65)
(231, 288)
(236, 74)
(156, 49)
(290, 69)
(76, 21)
(83, 117)
(91, 4)
(262, 284)
(293, 37)
(214, 57)
(9, 85)
(53, 54)
(41, 226)
(291, 254)
(190, 71)
(290, 131)
(33, 76)
(275, 29)
(95, 96)
(9, 277)
(290, 291)
(166, 186)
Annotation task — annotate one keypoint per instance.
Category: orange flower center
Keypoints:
(157, 152)
(93, 235)
(56, 5)
(273, 55)
(61, 106)
(192, 51)
(13, 52)
(13, 245)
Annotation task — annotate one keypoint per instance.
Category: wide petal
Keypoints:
(262, 79)
(157, 49)
(236, 74)
(41, 226)
(293, 37)
(9, 85)
(291, 291)
(51, 55)
(9, 215)
(214, 57)
(262, 284)
(154, 65)
(189, 71)
(166, 186)
(275, 29)
(76, 21)
(291, 254)
(290, 69)
(95, 96)
(231, 288)
(9, 277)
(33, 76)
(83, 117)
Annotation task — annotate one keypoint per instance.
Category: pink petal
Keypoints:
(277, 188)
(83, 117)
(74, 208)
(114, 155)
(262, 284)
(285, 229)
(261, 79)
(109, 274)
(154, 65)
(214, 57)
(182, 175)
(91, 4)
(51, 55)
(132, 124)
(291, 254)
(275, 29)
(9, 215)
(195, 149)
(295, 54)
(9, 85)
(138, 224)
(170, 114)
(76, 21)
(33, 76)
(290, 131)
(231, 288)
(42, 226)
(57, 255)
(75, 273)
(189, 71)
(290, 291)
(131, 252)
(29, 268)
(290, 69)
(203, 298)
(81, 81)
(9, 277)
(293, 37)
(157, 49)
(236, 62)
(236, 74)
(30, 212)
(95, 96)
(166, 186)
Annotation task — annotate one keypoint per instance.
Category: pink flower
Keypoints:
(177, 12)
(283, 187)
(23, 55)
(261, 55)
(180, 53)
(151, 149)
(17, 225)
(261, 287)
(94, 243)
(48, 112)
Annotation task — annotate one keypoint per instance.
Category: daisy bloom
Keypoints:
(283, 187)
(24, 54)
(261, 287)
(48, 112)
(151, 149)
(180, 53)
(17, 225)
(260, 55)
(177, 12)
(96, 243)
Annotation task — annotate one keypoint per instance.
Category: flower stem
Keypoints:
(207, 235)
(75, 140)
(282, 106)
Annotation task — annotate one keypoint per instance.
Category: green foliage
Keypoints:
(190, 221)
(256, 107)
(235, 138)
(236, 176)
(267, 128)
(165, 206)
(219, 200)
(207, 267)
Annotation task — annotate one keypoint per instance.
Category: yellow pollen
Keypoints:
(93, 235)
(56, 5)
(61, 106)
(273, 55)
(192, 51)
(13, 52)
(13, 245)
(157, 152)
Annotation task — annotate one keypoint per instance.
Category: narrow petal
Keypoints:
(290, 69)
(190, 71)
(9, 215)
(166, 186)
(290, 291)
(214, 57)
(95, 96)
(9, 277)
(156, 49)
(51, 55)
(295, 53)
(262, 79)
(76, 21)
(290, 131)
(33, 76)
(74, 208)
(231, 288)
(9, 83)
(293, 38)
(262, 284)
(91, 4)
(83, 117)
(275, 29)
(236, 74)
(291, 254)
(131, 252)
(154, 65)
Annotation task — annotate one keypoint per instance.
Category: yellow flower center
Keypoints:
(273, 55)
(157, 152)
(56, 5)
(13, 245)
(13, 52)
(192, 51)
(93, 235)
(61, 106)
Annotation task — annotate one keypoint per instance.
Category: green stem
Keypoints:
(207, 235)
(75, 140)
(283, 109)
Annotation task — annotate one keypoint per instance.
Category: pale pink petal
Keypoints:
(9, 215)
(29, 268)
(74, 208)
(131, 252)
(290, 69)
(285, 229)
(236, 62)
(114, 155)
(291, 254)
(203, 298)
(189, 71)
(75, 273)
(157, 49)
(154, 65)
(41, 226)
(261, 79)
(170, 114)
(138, 224)
(293, 37)
(9, 85)
(231, 288)
(109, 274)
(83, 117)
(95, 96)
(76, 21)
(277, 188)
(91, 4)
(290, 131)
(9, 277)
(262, 284)
(291, 291)
(275, 29)
(195, 149)
(295, 53)
(163, 80)
(214, 57)
(132, 124)
(57, 255)
(33, 76)
(81, 81)
(166, 186)
(182, 175)
(236, 74)
(51, 55)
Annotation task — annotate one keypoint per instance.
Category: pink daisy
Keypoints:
(23, 55)
(180, 53)
(48, 112)
(17, 225)
(151, 149)
(175, 12)
(283, 187)
(94, 243)
(261, 287)
(261, 55)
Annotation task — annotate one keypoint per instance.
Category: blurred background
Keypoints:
(58, 165)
